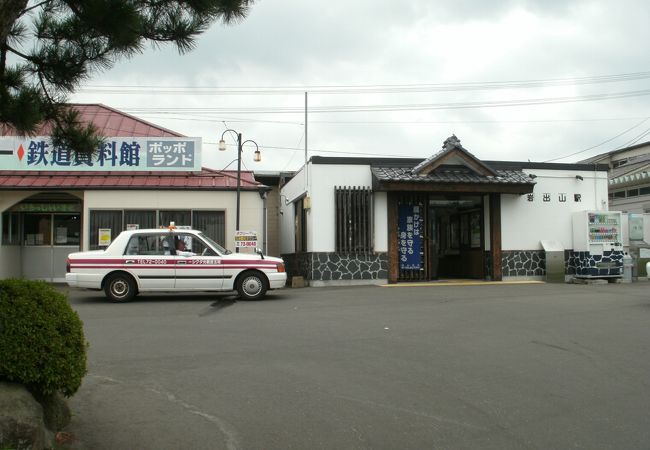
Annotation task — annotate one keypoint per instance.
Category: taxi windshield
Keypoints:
(216, 246)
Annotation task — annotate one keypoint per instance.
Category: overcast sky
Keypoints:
(515, 80)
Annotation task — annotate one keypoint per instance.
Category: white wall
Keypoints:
(251, 207)
(381, 221)
(321, 226)
(524, 224)
(322, 217)
(10, 198)
(291, 191)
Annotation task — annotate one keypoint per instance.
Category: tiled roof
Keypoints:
(450, 148)
(207, 179)
(109, 122)
(448, 175)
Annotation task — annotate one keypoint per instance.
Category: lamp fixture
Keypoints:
(240, 147)
(264, 192)
(579, 177)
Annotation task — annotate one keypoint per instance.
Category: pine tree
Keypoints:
(57, 44)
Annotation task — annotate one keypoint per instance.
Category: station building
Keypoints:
(452, 215)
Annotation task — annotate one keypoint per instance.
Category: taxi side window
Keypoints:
(165, 245)
(189, 245)
(197, 245)
(132, 246)
(142, 245)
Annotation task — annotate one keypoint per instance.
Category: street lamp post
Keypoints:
(240, 148)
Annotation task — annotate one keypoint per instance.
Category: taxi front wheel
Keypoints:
(251, 285)
(120, 288)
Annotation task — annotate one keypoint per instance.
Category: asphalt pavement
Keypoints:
(490, 366)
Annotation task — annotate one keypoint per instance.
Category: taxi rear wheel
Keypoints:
(120, 288)
(251, 285)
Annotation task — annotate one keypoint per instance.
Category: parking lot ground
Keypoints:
(490, 366)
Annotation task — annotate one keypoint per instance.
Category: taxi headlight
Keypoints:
(280, 267)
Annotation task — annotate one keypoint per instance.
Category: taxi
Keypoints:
(171, 259)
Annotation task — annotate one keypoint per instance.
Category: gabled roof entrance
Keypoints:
(452, 169)
(453, 153)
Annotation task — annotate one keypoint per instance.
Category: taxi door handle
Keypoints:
(130, 261)
(181, 262)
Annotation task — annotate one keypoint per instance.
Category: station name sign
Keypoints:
(115, 154)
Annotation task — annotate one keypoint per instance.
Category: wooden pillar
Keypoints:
(393, 257)
(495, 236)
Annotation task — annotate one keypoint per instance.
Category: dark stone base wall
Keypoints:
(350, 266)
(331, 266)
(609, 264)
(298, 265)
(570, 262)
(532, 263)
(523, 263)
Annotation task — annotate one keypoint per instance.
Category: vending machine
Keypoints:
(598, 244)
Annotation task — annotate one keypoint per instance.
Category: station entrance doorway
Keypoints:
(441, 236)
(38, 234)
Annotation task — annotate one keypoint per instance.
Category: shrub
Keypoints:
(42, 344)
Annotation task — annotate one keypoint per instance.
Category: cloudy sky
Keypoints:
(538, 80)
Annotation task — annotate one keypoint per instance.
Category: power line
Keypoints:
(363, 89)
(400, 107)
(313, 150)
(604, 142)
(164, 115)
(635, 139)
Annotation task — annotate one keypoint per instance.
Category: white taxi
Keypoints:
(170, 259)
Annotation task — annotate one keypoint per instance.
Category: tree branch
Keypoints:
(22, 55)
(38, 5)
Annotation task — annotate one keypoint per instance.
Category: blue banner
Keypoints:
(409, 237)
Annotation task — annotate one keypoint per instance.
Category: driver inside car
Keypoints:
(181, 248)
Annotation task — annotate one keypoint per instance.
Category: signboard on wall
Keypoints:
(115, 154)
(635, 222)
(104, 237)
(245, 239)
(409, 237)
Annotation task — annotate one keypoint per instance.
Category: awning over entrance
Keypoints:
(453, 169)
